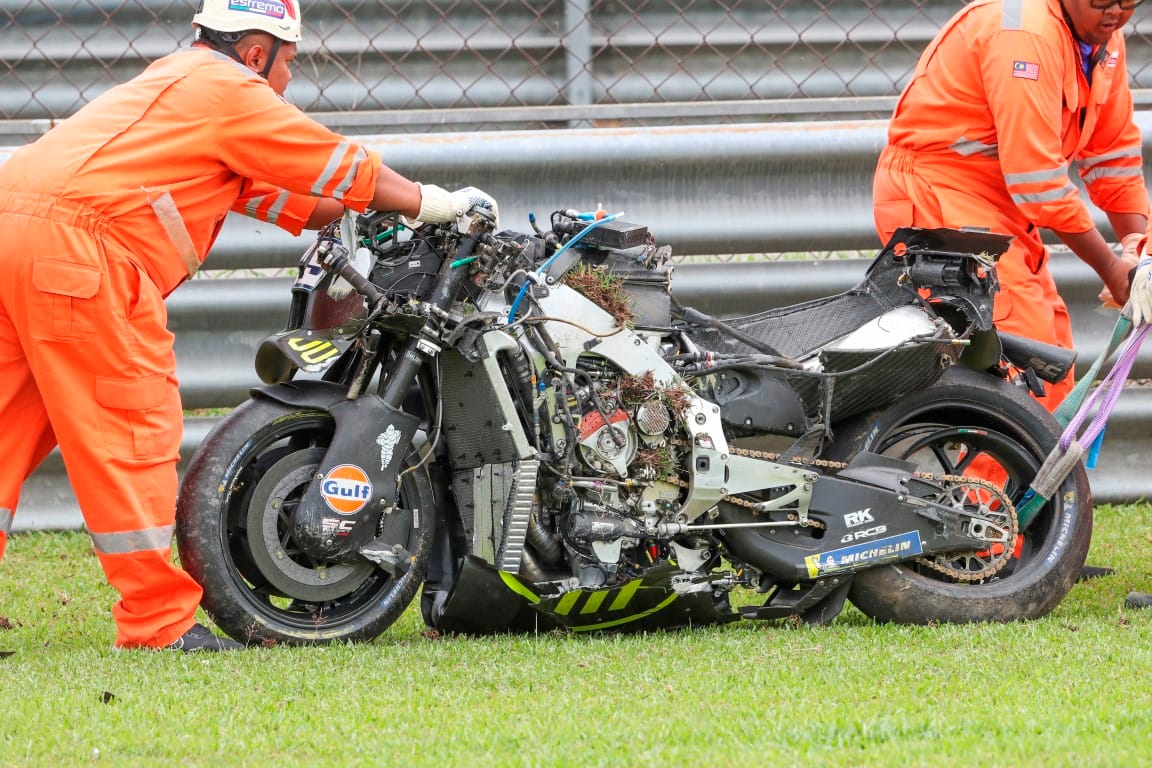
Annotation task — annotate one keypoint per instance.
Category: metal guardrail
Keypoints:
(705, 190)
(219, 323)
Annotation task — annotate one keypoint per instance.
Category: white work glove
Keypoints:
(439, 206)
(1140, 300)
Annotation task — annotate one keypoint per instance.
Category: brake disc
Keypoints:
(270, 542)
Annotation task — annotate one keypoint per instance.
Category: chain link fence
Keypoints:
(420, 65)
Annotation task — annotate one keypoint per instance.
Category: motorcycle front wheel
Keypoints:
(234, 536)
(968, 423)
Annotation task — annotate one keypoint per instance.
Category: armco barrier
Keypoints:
(219, 323)
(704, 190)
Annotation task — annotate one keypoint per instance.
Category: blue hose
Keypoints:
(559, 252)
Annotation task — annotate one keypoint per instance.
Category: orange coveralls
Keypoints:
(983, 136)
(102, 218)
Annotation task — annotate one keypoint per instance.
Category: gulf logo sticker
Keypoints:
(346, 489)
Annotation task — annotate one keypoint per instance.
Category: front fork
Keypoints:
(357, 479)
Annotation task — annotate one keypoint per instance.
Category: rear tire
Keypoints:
(941, 428)
(234, 538)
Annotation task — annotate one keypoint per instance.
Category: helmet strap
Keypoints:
(271, 57)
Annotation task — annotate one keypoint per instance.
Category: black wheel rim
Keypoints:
(948, 449)
(285, 439)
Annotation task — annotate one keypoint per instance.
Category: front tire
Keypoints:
(234, 536)
(968, 422)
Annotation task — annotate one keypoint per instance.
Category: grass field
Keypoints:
(1072, 689)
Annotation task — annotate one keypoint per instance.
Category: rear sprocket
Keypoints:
(988, 514)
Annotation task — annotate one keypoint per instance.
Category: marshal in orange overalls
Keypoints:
(102, 218)
(984, 134)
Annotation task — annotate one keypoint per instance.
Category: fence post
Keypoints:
(578, 56)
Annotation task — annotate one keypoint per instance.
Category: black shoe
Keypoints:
(200, 638)
(1138, 600)
(1095, 572)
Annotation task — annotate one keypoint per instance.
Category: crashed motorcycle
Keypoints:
(529, 428)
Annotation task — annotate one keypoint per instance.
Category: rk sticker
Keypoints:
(346, 489)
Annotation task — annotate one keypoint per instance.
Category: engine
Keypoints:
(620, 443)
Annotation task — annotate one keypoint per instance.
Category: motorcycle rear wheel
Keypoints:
(234, 539)
(942, 429)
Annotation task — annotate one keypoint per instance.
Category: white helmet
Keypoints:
(279, 18)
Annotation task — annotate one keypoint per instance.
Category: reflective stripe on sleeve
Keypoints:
(331, 169)
(124, 543)
(252, 207)
(1113, 172)
(1013, 15)
(5, 521)
(1045, 197)
(277, 207)
(357, 160)
(968, 147)
(1035, 177)
(1120, 154)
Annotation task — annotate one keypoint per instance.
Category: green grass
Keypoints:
(1070, 689)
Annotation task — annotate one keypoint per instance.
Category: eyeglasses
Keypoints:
(1125, 5)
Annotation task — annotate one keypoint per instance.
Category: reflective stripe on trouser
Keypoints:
(99, 378)
(911, 191)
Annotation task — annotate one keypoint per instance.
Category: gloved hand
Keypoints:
(1141, 301)
(439, 206)
(1129, 255)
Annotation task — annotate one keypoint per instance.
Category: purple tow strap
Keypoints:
(1104, 398)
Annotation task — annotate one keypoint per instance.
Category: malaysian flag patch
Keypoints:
(1026, 69)
(1112, 59)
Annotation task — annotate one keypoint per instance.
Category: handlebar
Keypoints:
(335, 259)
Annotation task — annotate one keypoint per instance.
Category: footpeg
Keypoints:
(392, 558)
